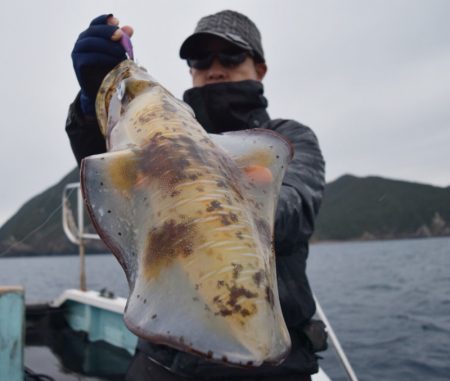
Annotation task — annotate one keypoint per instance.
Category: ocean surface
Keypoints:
(388, 301)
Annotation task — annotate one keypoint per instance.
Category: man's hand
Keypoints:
(96, 51)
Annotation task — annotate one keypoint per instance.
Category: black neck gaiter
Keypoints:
(228, 106)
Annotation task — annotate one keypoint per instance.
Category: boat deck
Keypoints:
(55, 350)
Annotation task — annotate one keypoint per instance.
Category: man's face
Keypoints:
(217, 72)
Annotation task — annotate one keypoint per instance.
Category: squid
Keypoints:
(189, 216)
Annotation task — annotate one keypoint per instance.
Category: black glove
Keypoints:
(93, 56)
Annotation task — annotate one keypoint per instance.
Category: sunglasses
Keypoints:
(228, 59)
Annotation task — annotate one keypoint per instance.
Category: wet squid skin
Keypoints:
(201, 220)
(199, 205)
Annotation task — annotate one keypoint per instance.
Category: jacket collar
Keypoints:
(229, 106)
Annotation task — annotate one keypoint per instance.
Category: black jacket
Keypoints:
(237, 106)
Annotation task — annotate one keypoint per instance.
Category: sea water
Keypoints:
(388, 301)
(389, 304)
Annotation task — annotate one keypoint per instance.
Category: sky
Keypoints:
(371, 78)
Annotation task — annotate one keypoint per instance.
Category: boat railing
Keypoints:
(76, 233)
(335, 342)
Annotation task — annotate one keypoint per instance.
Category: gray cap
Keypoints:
(232, 26)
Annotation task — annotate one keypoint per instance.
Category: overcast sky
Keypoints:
(372, 78)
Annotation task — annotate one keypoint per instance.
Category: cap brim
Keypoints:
(193, 43)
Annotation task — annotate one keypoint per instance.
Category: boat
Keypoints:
(81, 335)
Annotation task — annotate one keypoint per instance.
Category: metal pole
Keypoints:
(82, 267)
(337, 346)
(81, 242)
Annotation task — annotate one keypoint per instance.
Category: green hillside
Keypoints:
(36, 228)
(353, 208)
(378, 208)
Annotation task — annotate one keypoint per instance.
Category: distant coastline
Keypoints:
(326, 242)
(354, 209)
(37, 255)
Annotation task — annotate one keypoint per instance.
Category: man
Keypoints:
(227, 65)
